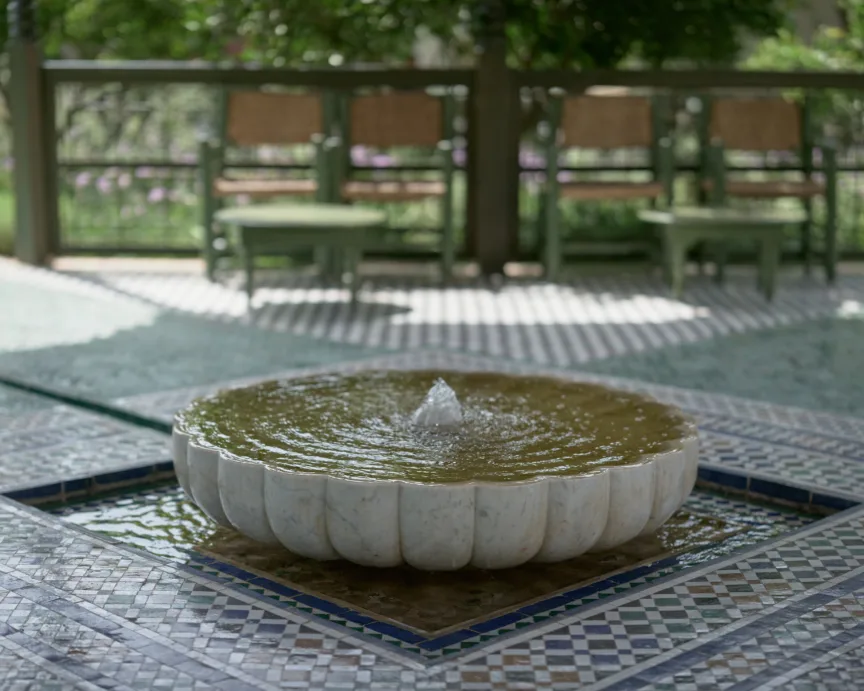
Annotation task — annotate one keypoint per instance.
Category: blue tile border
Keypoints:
(93, 485)
(754, 485)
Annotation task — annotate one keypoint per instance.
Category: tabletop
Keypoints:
(300, 216)
(706, 216)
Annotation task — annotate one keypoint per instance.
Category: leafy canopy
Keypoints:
(541, 33)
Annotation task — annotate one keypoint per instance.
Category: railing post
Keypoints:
(33, 143)
(494, 177)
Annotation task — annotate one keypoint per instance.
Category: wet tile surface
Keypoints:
(50, 443)
(427, 610)
(82, 611)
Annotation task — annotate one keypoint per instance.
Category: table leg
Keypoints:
(353, 257)
(675, 259)
(248, 260)
(768, 262)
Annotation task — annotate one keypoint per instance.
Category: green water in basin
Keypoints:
(360, 426)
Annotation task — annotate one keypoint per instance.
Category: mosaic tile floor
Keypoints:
(79, 610)
(430, 615)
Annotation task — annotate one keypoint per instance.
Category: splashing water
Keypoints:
(440, 409)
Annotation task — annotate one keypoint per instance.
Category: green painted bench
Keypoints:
(684, 228)
(268, 228)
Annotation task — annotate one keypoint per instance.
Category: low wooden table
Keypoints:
(281, 227)
(681, 229)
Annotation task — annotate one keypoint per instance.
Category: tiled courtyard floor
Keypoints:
(775, 389)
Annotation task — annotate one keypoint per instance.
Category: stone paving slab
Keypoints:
(810, 365)
(81, 339)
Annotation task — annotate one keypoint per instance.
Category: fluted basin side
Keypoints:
(438, 527)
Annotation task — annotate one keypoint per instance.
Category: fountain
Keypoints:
(437, 470)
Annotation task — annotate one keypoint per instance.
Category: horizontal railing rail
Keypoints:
(168, 72)
(691, 80)
(147, 72)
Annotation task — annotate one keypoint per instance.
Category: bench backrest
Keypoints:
(256, 118)
(396, 119)
(756, 124)
(607, 122)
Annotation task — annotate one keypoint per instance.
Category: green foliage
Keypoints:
(93, 29)
(832, 48)
(547, 33)
(599, 33)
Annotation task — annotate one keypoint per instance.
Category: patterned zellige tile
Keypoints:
(840, 670)
(213, 633)
(774, 652)
(56, 628)
(638, 627)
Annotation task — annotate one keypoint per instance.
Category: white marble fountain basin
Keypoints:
(438, 527)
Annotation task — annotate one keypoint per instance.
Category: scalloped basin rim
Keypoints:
(671, 446)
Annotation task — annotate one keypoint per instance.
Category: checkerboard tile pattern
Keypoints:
(219, 627)
(76, 592)
(638, 627)
(841, 672)
(771, 652)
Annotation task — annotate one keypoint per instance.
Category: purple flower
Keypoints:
(124, 180)
(360, 156)
(82, 179)
(530, 159)
(104, 185)
(382, 161)
(460, 157)
(157, 194)
(144, 172)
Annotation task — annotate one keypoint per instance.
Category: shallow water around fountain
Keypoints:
(372, 426)
(164, 522)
